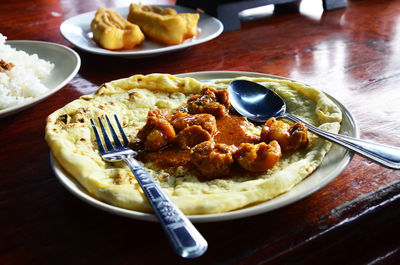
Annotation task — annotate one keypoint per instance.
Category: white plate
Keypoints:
(77, 31)
(333, 164)
(66, 64)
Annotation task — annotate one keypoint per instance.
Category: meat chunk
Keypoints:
(259, 157)
(211, 160)
(191, 136)
(156, 133)
(169, 158)
(290, 138)
(165, 114)
(210, 100)
(182, 120)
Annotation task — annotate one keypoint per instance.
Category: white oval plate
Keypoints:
(333, 164)
(77, 31)
(66, 64)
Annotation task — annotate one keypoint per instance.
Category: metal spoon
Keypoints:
(259, 103)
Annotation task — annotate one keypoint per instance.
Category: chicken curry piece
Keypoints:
(207, 137)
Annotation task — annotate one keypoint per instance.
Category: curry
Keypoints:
(206, 137)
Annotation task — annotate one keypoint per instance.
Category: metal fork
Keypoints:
(184, 237)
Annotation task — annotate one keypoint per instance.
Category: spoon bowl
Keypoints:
(254, 101)
(259, 103)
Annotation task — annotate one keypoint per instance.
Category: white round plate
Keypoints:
(66, 64)
(77, 31)
(333, 164)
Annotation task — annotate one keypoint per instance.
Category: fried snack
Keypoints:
(164, 25)
(111, 31)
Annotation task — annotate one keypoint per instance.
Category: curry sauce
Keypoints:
(207, 138)
(234, 130)
(231, 130)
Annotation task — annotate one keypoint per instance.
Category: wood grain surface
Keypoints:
(351, 53)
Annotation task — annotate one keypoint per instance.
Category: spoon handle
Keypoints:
(388, 156)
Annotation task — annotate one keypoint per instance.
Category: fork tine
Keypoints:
(126, 141)
(96, 134)
(114, 135)
(109, 145)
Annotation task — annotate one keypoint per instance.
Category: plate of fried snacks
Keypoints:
(140, 30)
(212, 162)
(31, 71)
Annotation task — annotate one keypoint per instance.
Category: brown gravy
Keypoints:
(232, 130)
(235, 130)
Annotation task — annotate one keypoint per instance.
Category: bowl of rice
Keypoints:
(31, 71)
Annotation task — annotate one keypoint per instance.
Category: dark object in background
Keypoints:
(228, 10)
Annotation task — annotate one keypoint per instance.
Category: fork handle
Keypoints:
(184, 237)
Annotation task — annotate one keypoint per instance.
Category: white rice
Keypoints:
(23, 81)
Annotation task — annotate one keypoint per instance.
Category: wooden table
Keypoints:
(352, 53)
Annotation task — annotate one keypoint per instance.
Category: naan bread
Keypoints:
(72, 142)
